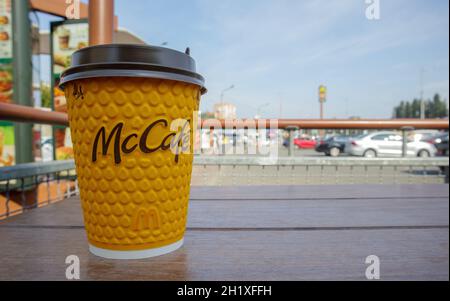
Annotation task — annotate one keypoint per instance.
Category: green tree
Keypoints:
(396, 113)
(439, 107)
(435, 108)
(46, 98)
(207, 115)
(408, 111)
(415, 108)
(399, 110)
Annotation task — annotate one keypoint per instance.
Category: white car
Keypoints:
(387, 144)
(47, 149)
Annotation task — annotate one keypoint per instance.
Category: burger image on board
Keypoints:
(62, 60)
(5, 81)
(6, 84)
(4, 20)
(63, 38)
(4, 36)
(81, 45)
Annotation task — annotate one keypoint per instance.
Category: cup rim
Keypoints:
(136, 254)
(128, 60)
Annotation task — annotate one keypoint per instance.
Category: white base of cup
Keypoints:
(139, 254)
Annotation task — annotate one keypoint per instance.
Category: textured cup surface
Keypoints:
(134, 189)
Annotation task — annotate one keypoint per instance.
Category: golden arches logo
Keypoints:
(146, 219)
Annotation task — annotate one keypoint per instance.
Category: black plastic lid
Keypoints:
(112, 60)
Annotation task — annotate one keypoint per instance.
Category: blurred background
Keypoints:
(347, 61)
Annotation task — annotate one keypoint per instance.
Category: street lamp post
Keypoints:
(221, 110)
(422, 102)
(259, 109)
(223, 92)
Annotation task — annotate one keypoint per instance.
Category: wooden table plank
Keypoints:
(276, 213)
(420, 254)
(291, 237)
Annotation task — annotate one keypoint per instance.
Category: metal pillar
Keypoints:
(321, 132)
(321, 110)
(22, 73)
(291, 130)
(101, 22)
(446, 173)
(405, 131)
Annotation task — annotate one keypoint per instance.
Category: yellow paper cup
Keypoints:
(132, 126)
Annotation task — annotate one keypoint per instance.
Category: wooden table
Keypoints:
(257, 233)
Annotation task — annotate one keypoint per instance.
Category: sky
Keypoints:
(276, 53)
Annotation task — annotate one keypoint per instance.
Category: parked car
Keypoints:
(47, 149)
(387, 144)
(332, 146)
(424, 135)
(440, 141)
(305, 142)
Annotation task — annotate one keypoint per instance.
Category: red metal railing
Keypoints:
(335, 123)
(19, 113)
